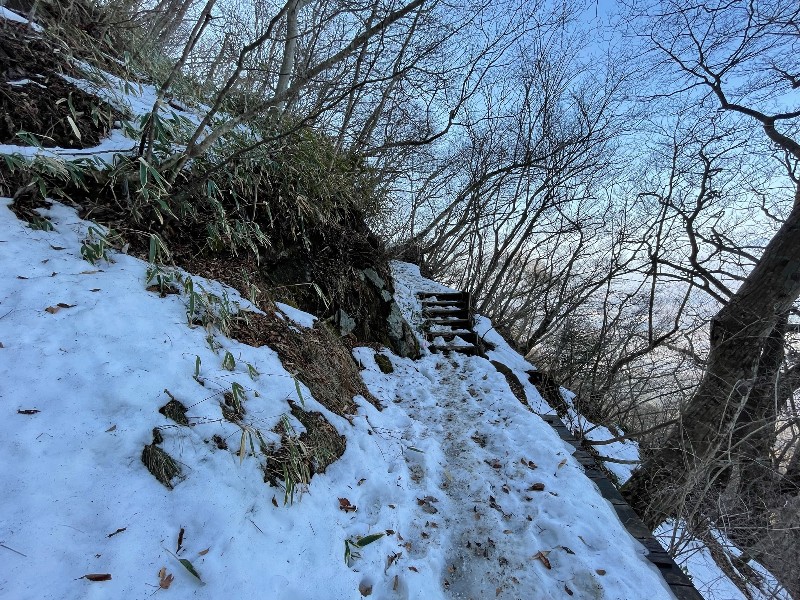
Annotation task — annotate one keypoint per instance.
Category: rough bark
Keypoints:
(738, 335)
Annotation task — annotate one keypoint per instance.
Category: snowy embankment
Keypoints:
(475, 496)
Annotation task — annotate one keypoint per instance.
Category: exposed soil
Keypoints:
(317, 355)
(34, 98)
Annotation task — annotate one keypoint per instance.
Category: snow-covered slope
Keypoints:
(475, 495)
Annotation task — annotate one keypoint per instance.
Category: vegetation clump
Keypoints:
(384, 363)
(160, 464)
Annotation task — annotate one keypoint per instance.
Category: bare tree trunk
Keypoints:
(739, 333)
(289, 51)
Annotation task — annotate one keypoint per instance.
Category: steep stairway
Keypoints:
(449, 317)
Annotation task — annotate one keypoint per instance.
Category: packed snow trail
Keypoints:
(501, 504)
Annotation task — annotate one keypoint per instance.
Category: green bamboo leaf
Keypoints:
(190, 567)
(151, 257)
(367, 540)
(142, 172)
(75, 129)
(228, 363)
(299, 393)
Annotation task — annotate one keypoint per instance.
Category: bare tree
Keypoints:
(739, 58)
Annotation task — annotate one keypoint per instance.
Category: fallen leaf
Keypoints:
(274, 502)
(54, 309)
(368, 539)
(365, 589)
(95, 290)
(396, 583)
(569, 591)
(57, 247)
(21, 277)
(88, 272)
(542, 556)
(180, 540)
(391, 558)
(344, 504)
(600, 571)
(507, 531)
(27, 411)
(562, 463)
(536, 487)
(112, 428)
(204, 552)
(97, 576)
(190, 567)
(1, 345)
(164, 579)
(360, 481)
(120, 530)
(415, 569)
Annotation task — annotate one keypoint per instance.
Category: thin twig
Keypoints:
(14, 551)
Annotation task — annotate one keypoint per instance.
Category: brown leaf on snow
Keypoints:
(415, 569)
(365, 589)
(274, 502)
(164, 579)
(180, 539)
(27, 411)
(204, 552)
(54, 309)
(536, 487)
(562, 463)
(112, 428)
(97, 576)
(600, 571)
(344, 504)
(542, 556)
(391, 558)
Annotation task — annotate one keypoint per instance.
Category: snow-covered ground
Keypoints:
(472, 494)
(475, 495)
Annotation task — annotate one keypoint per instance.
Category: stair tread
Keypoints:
(448, 321)
(440, 295)
(467, 336)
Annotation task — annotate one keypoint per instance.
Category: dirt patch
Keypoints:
(513, 382)
(175, 410)
(316, 355)
(549, 389)
(35, 99)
